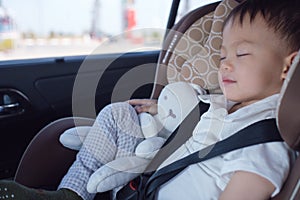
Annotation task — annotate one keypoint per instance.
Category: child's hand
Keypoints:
(144, 105)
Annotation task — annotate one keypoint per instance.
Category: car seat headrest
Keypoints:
(196, 56)
(191, 48)
(288, 110)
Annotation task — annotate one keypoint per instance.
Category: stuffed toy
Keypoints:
(175, 102)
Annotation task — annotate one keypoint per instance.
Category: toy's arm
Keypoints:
(116, 173)
(149, 147)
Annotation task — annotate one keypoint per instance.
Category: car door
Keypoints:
(36, 92)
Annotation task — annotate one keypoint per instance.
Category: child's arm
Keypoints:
(144, 105)
(247, 186)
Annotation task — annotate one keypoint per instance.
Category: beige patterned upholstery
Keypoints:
(196, 56)
(196, 52)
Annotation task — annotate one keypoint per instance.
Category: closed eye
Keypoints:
(243, 54)
(222, 58)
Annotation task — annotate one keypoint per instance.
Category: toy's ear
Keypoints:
(175, 102)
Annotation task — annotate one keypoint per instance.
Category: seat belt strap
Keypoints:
(259, 132)
(178, 137)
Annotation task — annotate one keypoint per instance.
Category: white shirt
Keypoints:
(208, 179)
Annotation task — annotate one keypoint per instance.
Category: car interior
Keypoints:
(189, 53)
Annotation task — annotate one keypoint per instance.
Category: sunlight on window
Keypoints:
(57, 28)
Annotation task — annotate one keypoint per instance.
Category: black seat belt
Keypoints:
(259, 132)
(179, 136)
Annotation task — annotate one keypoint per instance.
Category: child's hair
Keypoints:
(283, 16)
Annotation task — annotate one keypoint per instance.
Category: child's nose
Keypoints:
(226, 65)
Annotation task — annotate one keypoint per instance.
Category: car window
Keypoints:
(187, 5)
(57, 28)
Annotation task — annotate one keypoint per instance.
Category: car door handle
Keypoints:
(9, 108)
(12, 103)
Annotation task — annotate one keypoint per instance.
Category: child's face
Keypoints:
(251, 61)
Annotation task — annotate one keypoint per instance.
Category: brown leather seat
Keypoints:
(45, 160)
(288, 121)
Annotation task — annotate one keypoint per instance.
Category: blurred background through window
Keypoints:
(57, 28)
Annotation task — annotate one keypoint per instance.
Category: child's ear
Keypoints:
(287, 64)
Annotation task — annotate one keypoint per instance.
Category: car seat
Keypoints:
(288, 120)
(190, 53)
